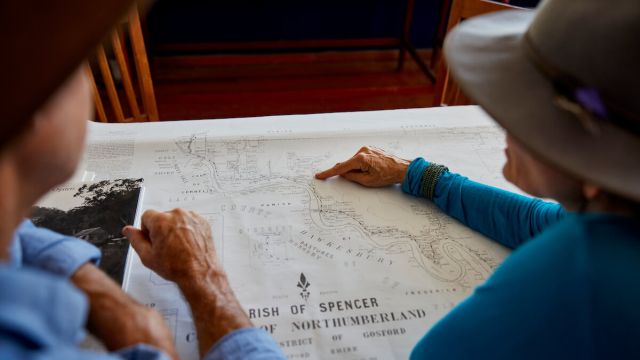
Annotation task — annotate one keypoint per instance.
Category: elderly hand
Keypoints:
(371, 167)
(178, 246)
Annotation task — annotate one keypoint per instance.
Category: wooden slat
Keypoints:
(102, 116)
(142, 67)
(123, 57)
(126, 75)
(108, 81)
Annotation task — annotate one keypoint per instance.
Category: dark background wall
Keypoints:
(200, 21)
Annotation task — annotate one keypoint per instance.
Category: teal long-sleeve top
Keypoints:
(569, 290)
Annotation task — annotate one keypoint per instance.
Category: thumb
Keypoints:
(139, 241)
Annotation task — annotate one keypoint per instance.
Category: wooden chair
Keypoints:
(447, 92)
(126, 44)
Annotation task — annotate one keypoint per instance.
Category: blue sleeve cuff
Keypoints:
(141, 352)
(248, 343)
(52, 252)
(412, 183)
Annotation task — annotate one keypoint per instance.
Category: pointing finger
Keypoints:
(327, 173)
(355, 163)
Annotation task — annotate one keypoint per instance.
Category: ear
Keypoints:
(590, 192)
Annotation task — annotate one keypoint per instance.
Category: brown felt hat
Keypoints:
(564, 80)
(43, 42)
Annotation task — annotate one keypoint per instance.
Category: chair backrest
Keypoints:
(447, 91)
(113, 63)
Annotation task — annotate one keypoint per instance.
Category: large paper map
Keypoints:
(330, 269)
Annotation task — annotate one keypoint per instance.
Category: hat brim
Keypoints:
(44, 42)
(487, 58)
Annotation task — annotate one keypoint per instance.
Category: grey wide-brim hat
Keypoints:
(564, 80)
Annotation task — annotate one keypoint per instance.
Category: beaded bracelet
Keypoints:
(430, 178)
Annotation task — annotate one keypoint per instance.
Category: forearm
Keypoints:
(115, 318)
(106, 300)
(178, 246)
(503, 216)
(215, 309)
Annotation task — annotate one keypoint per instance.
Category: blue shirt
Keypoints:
(569, 290)
(42, 315)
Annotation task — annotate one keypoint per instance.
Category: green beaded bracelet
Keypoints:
(430, 179)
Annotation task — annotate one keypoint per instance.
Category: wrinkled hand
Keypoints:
(371, 167)
(177, 245)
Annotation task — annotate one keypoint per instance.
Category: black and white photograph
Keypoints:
(95, 212)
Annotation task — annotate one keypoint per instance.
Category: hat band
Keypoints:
(585, 102)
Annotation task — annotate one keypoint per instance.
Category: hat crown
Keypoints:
(596, 42)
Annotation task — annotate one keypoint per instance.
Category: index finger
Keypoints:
(341, 168)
